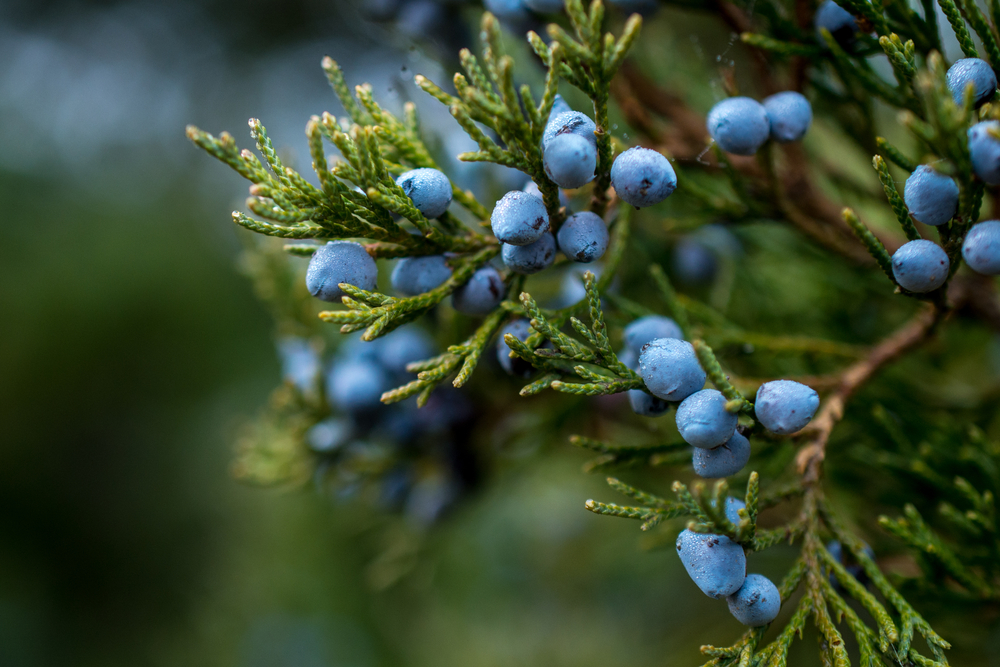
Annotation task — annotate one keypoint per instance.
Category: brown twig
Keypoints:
(917, 330)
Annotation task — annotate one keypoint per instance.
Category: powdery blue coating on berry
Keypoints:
(648, 328)
(670, 369)
(583, 237)
(645, 405)
(403, 346)
(532, 189)
(532, 258)
(641, 402)
(569, 122)
(931, 197)
(838, 21)
(545, 7)
(356, 385)
(507, 9)
(981, 249)
(570, 161)
(733, 507)
(560, 105)
(723, 461)
(715, 563)
(519, 218)
(340, 262)
(428, 189)
(416, 275)
(642, 177)
(920, 266)
(520, 329)
(703, 420)
(483, 293)
(299, 362)
(756, 603)
(976, 71)
(739, 125)
(984, 149)
(789, 114)
(784, 406)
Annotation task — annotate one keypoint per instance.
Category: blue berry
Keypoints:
(920, 266)
(519, 218)
(837, 21)
(330, 434)
(694, 262)
(532, 189)
(975, 71)
(570, 161)
(532, 258)
(756, 603)
(733, 507)
(484, 292)
(340, 262)
(356, 385)
(641, 402)
(981, 249)
(703, 420)
(559, 106)
(403, 346)
(853, 568)
(646, 405)
(571, 288)
(723, 461)
(789, 114)
(784, 406)
(416, 275)
(931, 197)
(583, 237)
(520, 329)
(984, 149)
(569, 122)
(642, 177)
(648, 328)
(428, 189)
(715, 563)
(299, 362)
(670, 369)
(356, 347)
(739, 125)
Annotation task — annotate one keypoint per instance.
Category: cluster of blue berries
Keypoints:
(741, 125)
(718, 566)
(338, 262)
(640, 176)
(669, 367)
(922, 266)
(417, 458)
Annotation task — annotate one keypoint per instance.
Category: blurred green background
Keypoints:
(131, 351)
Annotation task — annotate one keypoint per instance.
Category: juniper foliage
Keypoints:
(788, 497)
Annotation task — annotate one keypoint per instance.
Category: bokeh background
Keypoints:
(131, 351)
